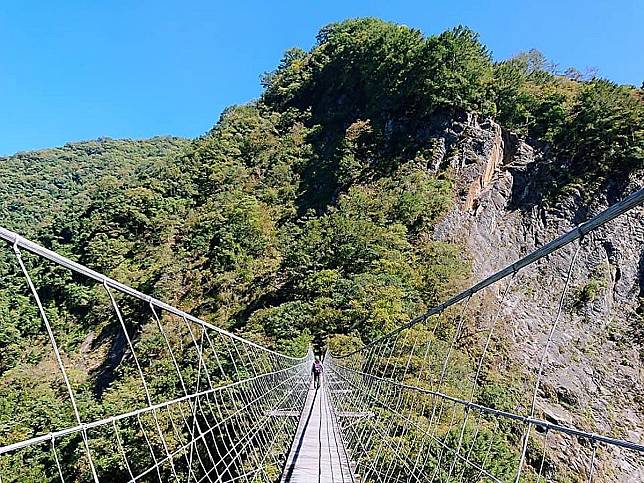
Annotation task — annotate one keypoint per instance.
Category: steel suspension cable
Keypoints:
(194, 419)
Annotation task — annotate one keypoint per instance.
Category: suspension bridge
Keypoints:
(189, 401)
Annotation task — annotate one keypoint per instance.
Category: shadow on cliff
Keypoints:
(636, 328)
(553, 184)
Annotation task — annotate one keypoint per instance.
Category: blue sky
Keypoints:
(72, 69)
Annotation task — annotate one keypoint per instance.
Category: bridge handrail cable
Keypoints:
(505, 414)
(628, 203)
(19, 241)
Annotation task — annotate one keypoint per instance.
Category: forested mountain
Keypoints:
(38, 185)
(310, 212)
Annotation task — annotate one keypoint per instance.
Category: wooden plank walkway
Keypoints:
(318, 453)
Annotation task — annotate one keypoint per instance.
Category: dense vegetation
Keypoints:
(38, 185)
(307, 213)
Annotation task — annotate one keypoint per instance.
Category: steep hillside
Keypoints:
(379, 172)
(38, 188)
(38, 185)
(595, 373)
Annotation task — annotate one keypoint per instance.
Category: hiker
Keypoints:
(316, 370)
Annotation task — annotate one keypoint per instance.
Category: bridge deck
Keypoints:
(318, 453)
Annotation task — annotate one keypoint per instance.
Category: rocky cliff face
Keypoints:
(594, 372)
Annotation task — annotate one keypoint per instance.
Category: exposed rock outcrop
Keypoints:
(594, 371)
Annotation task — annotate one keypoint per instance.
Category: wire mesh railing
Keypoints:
(106, 383)
(443, 398)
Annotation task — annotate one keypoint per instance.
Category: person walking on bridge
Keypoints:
(317, 371)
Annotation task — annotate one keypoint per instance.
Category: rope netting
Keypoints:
(443, 398)
(115, 385)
